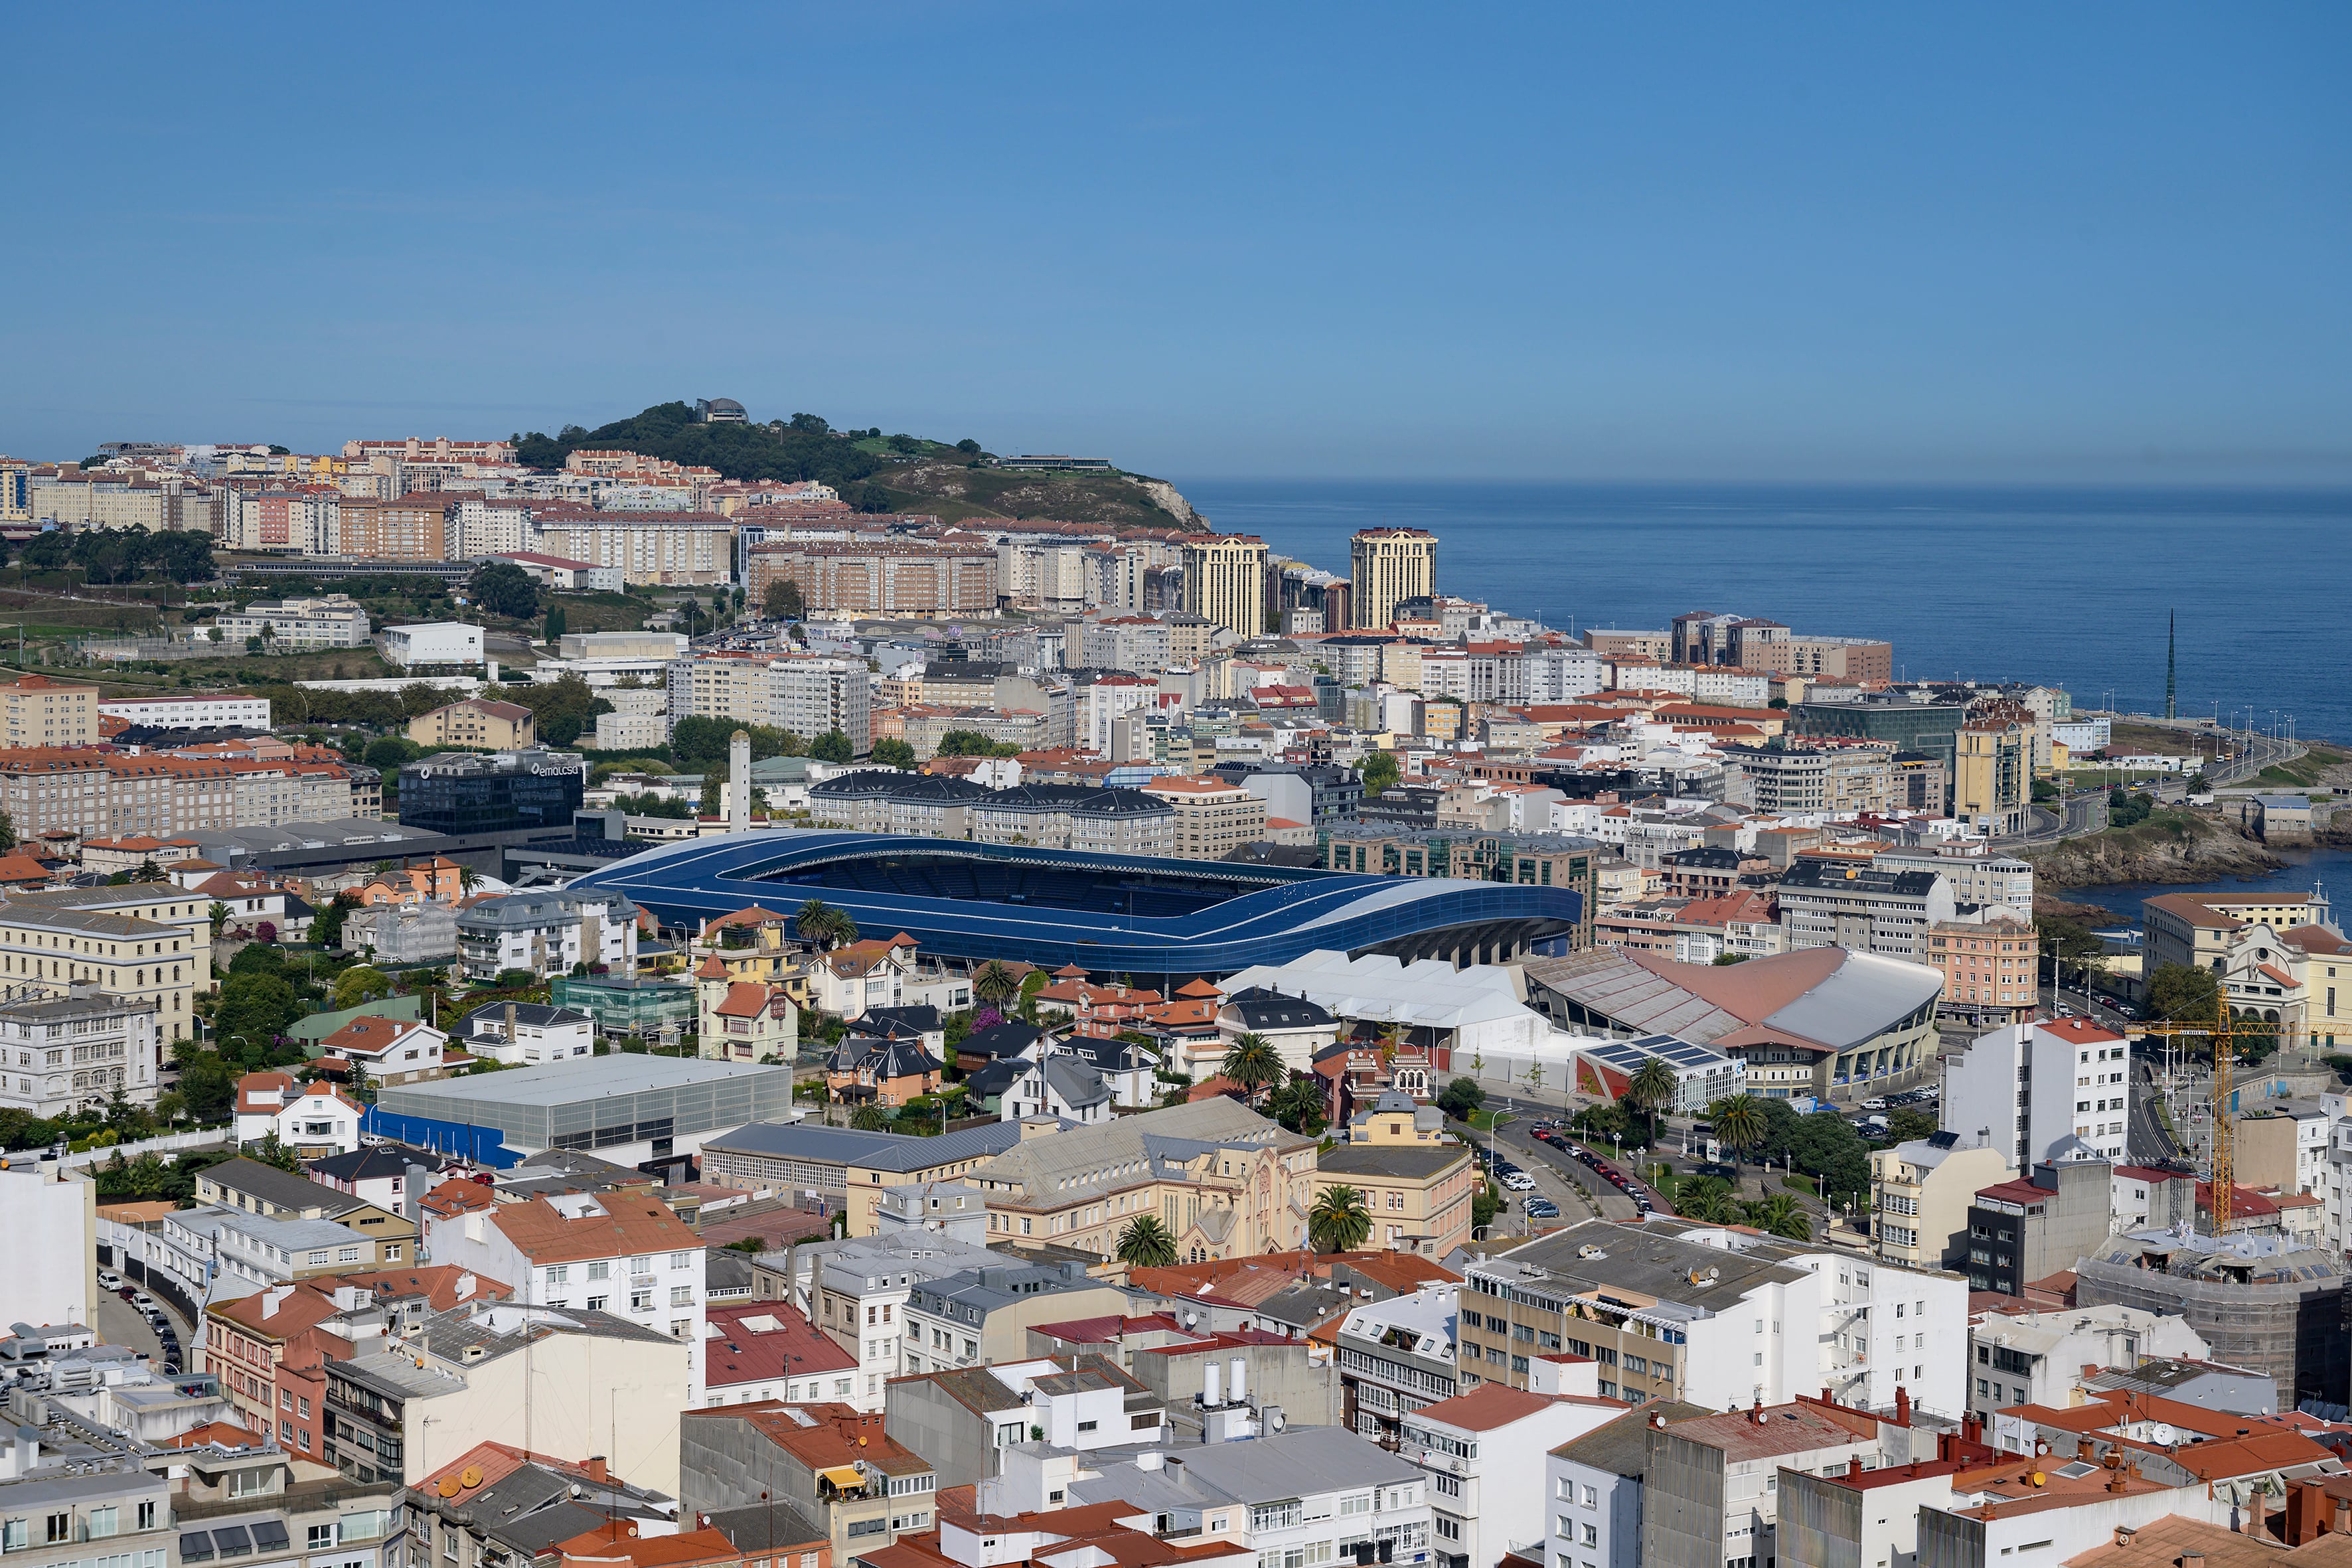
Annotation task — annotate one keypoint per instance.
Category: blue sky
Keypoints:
(2071, 243)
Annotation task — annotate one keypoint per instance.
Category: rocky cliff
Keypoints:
(2172, 846)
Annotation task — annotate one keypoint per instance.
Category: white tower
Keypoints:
(738, 783)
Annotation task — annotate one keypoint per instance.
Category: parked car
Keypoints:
(1541, 1209)
(126, 1291)
(141, 1299)
(108, 1279)
(1520, 1182)
(1874, 1105)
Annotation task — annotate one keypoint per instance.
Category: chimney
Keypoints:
(596, 1468)
(272, 1300)
(1756, 1414)
(2343, 1517)
(2258, 1518)
(2304, 1500)
(1853, 1467)
(2083, 1448)
(511, 1030)
(1902, 1405)
(2192, 1560)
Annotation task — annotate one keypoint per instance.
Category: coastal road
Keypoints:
(2083, 814)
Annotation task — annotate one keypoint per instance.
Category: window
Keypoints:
(643, 1301)
(1449, 1529)
(146, 1516)
(1088, 1425)
(559, 1274)
(320, 1537)
(681, 1295)
(1591, 1497)
(1591, 1536)
(1449, 1486)
(681, 1260)
(105, 1521)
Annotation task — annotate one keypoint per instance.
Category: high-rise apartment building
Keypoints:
(1990, 775)
(1224, 581)
(2035, 1092)
(1387, 565)
(38, 711)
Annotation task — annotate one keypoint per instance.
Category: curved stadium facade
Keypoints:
(1130, 914)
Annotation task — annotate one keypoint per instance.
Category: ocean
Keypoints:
(2064, 586)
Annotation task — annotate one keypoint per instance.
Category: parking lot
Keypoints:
(123, 1322)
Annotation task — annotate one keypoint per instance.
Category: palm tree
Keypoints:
(1707, 1201)
(869, 1118)
(218, 914)
(816, 922)
(468, 878)
(1339, 1221)
(1738, 1122)
(995, 984)
(1653, 1085)
(1299, 1105)
(1252, 1062)
(1146, 1243)
(1779, 1215)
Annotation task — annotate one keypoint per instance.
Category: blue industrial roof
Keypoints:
(1109, 913)
(1674, 1050)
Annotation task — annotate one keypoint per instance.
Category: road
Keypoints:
(2148, 1142)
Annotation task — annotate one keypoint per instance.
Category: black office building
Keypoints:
(458, 793)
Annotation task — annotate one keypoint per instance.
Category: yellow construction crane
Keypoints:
(2224, 1030)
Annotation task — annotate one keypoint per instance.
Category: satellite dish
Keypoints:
(1280, 1420)
(471, 1477)
(2162, 1432)
(448, 1486)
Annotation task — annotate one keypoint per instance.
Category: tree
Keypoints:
(390, 753)
(1146, 1243)
(994, 983)
(833, 746)
(2183, 991)
(1339, 1221)
(1460, 1098)
(969, 448)
(1907, 1125)
(1726, 960)
(556, 622)
(823, 927)
(255, 1009)
(1299, 1105)
(359, 983)
(700, 743)
(1738, 1122)
(2067, 945)
(218, 914)
(208, 1087)
(2128, 810)
(1252, 1062)
(8, 833)
(503, 588)
(1381, 769)
(894, 754)
(1708, 1200)
(562, 709)
(869, 1118)
(783, 600)
(271, 1152)
(326, 927)
(1779, 1215)
(1651, 1088)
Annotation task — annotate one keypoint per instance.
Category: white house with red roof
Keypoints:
(314, 1120)
(1485, 1453)
(391, 1051)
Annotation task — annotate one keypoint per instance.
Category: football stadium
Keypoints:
(1108, 913)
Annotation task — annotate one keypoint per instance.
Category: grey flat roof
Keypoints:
(1650, 1262)
(587, 1077)
(1411, 1161)
(880, 1151)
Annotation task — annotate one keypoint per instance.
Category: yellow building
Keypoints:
(1214, 818)
(1989, 774)
(755, 945)
(1225, 581)
(36, 710)
(1417, 1182)
(16, 490)
(158, 903)
(1921, 1191)
(1389, 566)
(50, 951)
(491, 726)
(1242, 1188)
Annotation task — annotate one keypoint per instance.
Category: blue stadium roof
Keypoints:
(1133, 914)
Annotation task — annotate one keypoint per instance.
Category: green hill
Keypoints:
(875, 472)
